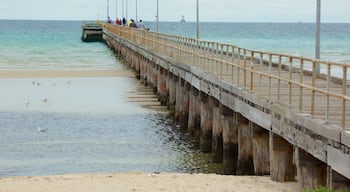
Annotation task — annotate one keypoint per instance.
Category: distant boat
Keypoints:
(183, 19)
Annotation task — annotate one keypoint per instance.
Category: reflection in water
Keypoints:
(94, 143)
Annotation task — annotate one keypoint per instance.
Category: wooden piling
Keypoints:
(261, 150)
(245, 165)
(217, 143)
(230, 141)
(206, 123)
(281, 159)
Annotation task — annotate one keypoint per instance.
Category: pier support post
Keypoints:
(172, 82)
(178, 103)
(149, 72)
(194, 114)
(142, 70)
(338, 181)
(217, 144)
(154, 76)
(312, 173)
(281, 159)
(162, 86)
(182, 103)
(206, 123)
(245, 165)
(230, 141)
(261, 150)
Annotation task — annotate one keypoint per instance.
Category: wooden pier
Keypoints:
(91, 33)
(258, 113)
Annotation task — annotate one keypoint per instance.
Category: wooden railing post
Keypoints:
(328, 88)
(301, 81)
(345, 80)
(290, 81)
(314, 75)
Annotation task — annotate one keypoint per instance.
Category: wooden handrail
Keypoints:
(212, 57)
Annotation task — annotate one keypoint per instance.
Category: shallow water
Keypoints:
(77, 125)
(88, 125)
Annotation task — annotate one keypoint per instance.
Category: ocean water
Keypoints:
(79, 125)
(49, 45)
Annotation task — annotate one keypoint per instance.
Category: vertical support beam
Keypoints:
(261, 150)
(230, 140)
(281, 159)
(142, 69)
(162, 86)
(217, 144)
(185, 105)
(245, 165)
(178, 104)
(194, 114)
(312, 173)
(154, 77)
(138, 65)
(206, 123)
(182, 103)
(339, 182)
(172, 82)
(149, 72)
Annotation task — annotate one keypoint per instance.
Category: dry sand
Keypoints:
(129, 181)
(144, 182)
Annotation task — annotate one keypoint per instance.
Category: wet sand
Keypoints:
(20, 74)
(144, 182)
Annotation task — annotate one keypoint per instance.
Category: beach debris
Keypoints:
(26, 103)
(153, 174)
(41, 129)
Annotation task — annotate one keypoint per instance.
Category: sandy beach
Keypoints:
(152, 182)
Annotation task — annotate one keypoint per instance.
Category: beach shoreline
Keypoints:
(130, 181)
(138, 181)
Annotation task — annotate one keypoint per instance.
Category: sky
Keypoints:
(172, 10)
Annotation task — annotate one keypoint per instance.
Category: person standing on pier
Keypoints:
(124, 21)
(109, 20)
(133, 24)
(117, 21)
(141, 25)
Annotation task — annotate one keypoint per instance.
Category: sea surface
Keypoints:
(77, 125)
(291, 38)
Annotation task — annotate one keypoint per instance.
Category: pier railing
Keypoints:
(315, 87)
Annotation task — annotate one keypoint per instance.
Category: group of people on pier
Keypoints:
(129, 23)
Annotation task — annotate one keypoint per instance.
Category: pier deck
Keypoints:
(288, 110)
(92, 32)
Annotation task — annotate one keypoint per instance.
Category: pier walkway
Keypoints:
(257, 112)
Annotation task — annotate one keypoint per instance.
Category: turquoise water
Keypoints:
(47, 44)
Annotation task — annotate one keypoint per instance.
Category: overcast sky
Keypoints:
(171, 10)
